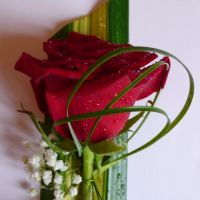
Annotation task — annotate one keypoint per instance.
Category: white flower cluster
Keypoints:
(48, 168)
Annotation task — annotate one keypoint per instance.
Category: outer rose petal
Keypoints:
(36, 70)
(39, 89)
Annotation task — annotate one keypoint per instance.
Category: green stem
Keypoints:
(88, 160)
(46, 194)
(68, 179)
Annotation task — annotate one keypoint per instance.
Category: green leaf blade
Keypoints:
(107, 147)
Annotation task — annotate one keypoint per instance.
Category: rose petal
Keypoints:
(39, 89)
(36, 70)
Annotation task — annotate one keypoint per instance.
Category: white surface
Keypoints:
(167, 171)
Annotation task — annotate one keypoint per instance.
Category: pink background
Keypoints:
(170, 170)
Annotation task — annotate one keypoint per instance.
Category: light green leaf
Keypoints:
(106, 147)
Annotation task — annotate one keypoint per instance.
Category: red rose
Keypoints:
(53, 79)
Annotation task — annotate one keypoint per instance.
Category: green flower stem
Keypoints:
(68, 179)
(87, 173)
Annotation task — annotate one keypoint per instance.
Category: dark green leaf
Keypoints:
(63, 32)
(47, 125)
(67, 145)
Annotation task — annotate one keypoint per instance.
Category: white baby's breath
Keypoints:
(58, 179)
(35, 161)
(50, 157)
(60, 166)
(73, 191)
(77, 179)
(58, 194)
(36, 176)
(47, 177)
(43, 166)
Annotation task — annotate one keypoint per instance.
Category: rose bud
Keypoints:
(54, 78)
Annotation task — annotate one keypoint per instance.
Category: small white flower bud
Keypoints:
(43, 144)
(35, 161)
(73, 191)
(47, 177)
(60, 166)
(36, 176)
(66, 153)
(58, 194)
(76, 179)
(32, 193)
(50, 157)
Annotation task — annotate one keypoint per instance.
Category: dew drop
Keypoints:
(122, 186)
(116, 121)
(119, 72)
(118, 175)
(84, 124)
(118, 192)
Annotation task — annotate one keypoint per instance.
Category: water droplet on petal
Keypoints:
(116, 121)
(84, 124)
